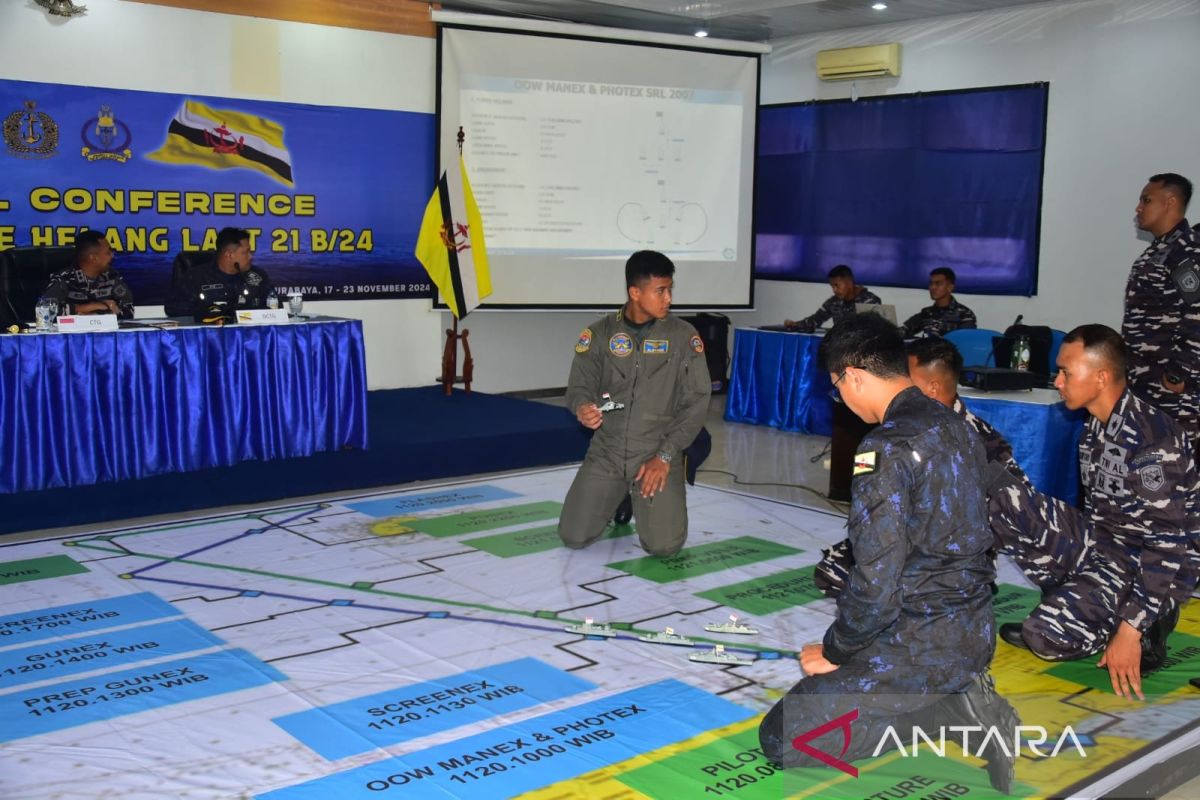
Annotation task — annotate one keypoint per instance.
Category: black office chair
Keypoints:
(179, 304)
(24, 273)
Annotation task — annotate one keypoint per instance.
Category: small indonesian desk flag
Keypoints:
(450, 245)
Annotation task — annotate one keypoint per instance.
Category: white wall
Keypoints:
(1123, 106)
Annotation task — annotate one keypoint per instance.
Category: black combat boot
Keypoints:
(1011, 633)
(980, 705)
(1154, 640)
(624, 511)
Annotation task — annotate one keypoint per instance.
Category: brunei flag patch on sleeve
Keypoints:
(864, 463)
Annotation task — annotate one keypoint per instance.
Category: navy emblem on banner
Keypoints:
(106, 137)
(620, 344)
(31, 133)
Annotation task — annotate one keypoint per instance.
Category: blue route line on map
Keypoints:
(242, 535)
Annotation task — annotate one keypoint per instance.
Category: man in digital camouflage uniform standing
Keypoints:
(1113, 576)
(652, 365)
(1161, 327)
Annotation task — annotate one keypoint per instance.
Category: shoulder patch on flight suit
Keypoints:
(656, 345)
(864, 463)
(620, 345)
(1152, 477)
(697, 344)
(585, 341)
(1186, 276)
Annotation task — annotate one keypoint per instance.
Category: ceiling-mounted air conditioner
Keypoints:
(847, 63)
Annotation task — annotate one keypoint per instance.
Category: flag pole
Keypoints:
(450, 374)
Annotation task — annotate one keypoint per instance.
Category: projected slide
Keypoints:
(546, 181)
(581, 152)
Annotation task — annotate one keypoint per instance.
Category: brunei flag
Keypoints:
(450, 245)
(219, 139)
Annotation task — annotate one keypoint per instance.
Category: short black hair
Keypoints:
(1175, 183)
(646, 264)
(1102, 341)
(230, 237)
(936, 350)
(841, 271)
(867, 342)
(949, 273)
(86, 242)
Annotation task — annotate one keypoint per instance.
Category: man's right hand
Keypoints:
(589, 416)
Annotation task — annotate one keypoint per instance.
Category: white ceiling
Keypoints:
(741, 20)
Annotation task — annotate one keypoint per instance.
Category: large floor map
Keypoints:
(415, 645)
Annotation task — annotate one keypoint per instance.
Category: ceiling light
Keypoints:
(700, 34)
(879, 6)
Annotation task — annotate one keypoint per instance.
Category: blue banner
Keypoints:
(332, 197)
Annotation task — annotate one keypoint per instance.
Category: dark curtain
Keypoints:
(895, 186)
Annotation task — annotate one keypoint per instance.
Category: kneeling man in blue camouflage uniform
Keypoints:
(914, 633)
(640, 381)
(1113, 576)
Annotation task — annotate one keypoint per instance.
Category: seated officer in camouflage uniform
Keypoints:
(1161, 326)
(915, 620)
(223, 285)
(654, 364)
(1114, 575)
(934, 367)
(946, 314)
(846, 295)
(92, 286)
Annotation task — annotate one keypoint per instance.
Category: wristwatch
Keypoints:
(664, 456)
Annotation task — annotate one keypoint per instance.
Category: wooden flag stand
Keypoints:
(450, 360)
(450, 374)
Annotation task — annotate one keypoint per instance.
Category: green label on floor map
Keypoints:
(704, 559)
(732, 766)
(1183, 663)
(533, 540)
(1013, 603)
(768, 594)
(34, 569)
(735, 767)
(487, 519)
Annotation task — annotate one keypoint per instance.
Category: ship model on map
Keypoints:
(718, 656)
(733, 626)
(589, 628)
(667, 636)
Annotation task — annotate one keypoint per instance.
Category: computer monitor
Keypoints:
(885, 310)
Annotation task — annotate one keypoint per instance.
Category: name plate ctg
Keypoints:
(86, 323)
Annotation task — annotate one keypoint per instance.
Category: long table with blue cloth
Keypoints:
(83, 408)
(775, 380)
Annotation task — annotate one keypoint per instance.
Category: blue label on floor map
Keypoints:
(29, 712)
(359, 725)
(416, 503)
(76, 618)
(54, 660)
(534, 753)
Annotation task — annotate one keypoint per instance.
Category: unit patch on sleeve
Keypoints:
(697, 344)
(585, 341)
(864, 463)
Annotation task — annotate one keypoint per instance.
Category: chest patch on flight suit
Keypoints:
(864, 463)
(697, 344)
(655, 346)
(1152, 477)
(620, 345)
(585, 341)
